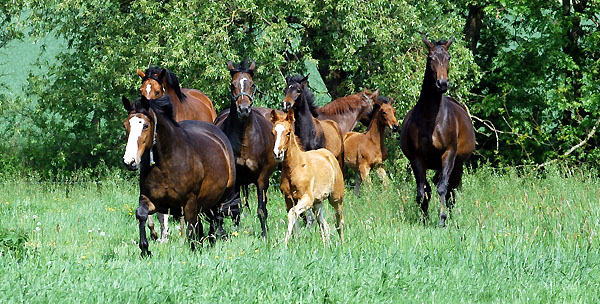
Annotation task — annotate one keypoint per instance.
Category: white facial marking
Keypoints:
(136, 125)
(242, 84)
(148, 89)
(279, 128)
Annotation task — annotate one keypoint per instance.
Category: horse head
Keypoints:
(438, 61)
(152, 83)
(293, 91)
(140, 131)
(368, 99)
(283, 130)
(242, 87)
(387, 115)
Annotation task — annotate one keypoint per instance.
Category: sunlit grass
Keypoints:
(512, 238)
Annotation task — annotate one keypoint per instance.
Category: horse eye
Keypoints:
(156, 93)
(145, 126)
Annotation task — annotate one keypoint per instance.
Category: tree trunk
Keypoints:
(473, 26)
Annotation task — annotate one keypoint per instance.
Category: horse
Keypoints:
(364, 151)
(307, 178)
(312, 132)
(348, 110)
(437, 133)
(250, 135)
(188, 104)
(188, 164)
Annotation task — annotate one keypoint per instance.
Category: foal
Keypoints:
(364, 151)
(307, 178)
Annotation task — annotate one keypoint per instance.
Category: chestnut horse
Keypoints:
(348, 110)
(188, 104)
(437, 133)
(193, 166)
(307, 178)
(312, 132)
(250, 136)
(364, 151)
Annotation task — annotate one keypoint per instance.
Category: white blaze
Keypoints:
(136, 126)
(148, 89)
(242, 84)
(279, 128)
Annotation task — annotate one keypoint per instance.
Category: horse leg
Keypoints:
(153, 233)
(423, 189)
(181, 223)
(337, 205)
(141, 213)
(246, 198)
(381, 173)
(194, 227)
(322, 223)
(303, 204)
(163, 219)
(442, 186)
(453, 184)
(363, 170)
(216, 231)
(262, 208)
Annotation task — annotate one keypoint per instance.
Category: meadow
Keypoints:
(516, 237)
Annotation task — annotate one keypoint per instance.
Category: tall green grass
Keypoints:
(525, 238)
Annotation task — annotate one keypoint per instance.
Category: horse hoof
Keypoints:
(154, 236)
(146, 253)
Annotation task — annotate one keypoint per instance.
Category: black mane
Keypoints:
(170, 79)
(307, 94)
(160, 106)
(243, 67)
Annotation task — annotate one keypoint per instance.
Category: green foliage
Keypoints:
(348, 44)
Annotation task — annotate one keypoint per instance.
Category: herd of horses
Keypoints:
(194, 162)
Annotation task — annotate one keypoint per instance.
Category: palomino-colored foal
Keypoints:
(307, 178)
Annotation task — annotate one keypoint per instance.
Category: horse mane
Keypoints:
(307, 94)
(170, 79)
(343, 105)
(243, 67)
(162, 106)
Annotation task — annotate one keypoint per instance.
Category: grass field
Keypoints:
(513, 238)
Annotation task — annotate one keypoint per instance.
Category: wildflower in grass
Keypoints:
(90, 231)
(26, 216)
(184, 262)
(246, 232)
(242, 253)
(39, 223)
(235, 233)
(216, 257)
(83, 257)
(37, 229)
(102, 233)
(256, 250)
(34, 216)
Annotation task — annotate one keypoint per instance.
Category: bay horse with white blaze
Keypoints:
(312, 132)
(307, 178)
(437, 133)
(365, 151)
(188, 104)
(250, 136)
(194, 167)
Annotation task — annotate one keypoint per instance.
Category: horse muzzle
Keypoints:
(286, 106)
(442, 85)
(395, 127)
(278, 156)
(244, 111)
(130, 164)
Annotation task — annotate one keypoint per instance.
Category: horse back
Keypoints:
(334, 141)
(196, 106)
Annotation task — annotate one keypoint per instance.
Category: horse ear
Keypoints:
(230, 66)
(290, 115)
(145, 102)
(126, 103)
(304, 80)
(427, 42)
(391, 100)
(140, 73)
(161, 75)
(287, 79)
(375, 94)
(273, 116)
(447, 45)
(252, 66)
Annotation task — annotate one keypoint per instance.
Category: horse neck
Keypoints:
(234, 127)
(376, 130)
(171, 136)
(304, 125)
(293, 154)
(430, 98)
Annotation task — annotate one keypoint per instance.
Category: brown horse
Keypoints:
(307, 178)
(364, 151)
(193, 166)
(312, 132)
(437, 133)
(250, 136)
(188, 104)
(348, 110)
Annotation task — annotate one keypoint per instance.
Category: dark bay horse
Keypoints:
(250, 135)
(348, 110)
(437, 133)
(188, 104)
(365, 151)
(193, 168)
(312, 132)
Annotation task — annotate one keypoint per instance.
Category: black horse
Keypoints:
(250, 135)
(437, 133)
